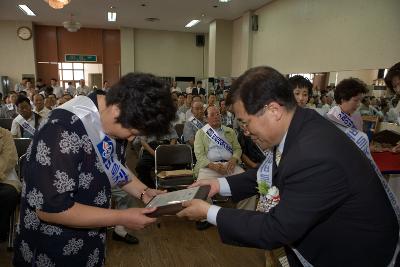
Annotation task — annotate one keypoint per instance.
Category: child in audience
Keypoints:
(302, 89)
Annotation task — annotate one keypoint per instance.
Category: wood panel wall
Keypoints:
(53, 42)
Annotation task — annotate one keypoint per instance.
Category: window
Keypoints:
(71, 72)
(309, 76)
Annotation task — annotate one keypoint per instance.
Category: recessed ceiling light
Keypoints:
(192, 23)
(26, 10)
(112, 16)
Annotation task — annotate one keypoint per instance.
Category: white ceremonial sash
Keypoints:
(361, 140)
(337, 113)
(10, 106)
(24, 124)
(86, 110)
(214, 137)
(198, 124)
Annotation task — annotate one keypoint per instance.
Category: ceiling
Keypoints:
(173, 15)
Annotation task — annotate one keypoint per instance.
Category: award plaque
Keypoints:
(171, 203)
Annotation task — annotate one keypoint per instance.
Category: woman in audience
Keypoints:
(348, 95)
(10, 185)
(392, 80)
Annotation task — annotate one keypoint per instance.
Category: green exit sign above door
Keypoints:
(80, 58)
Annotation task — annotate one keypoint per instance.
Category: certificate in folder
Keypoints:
(171, 203)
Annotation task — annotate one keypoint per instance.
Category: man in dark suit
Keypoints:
(330, 204)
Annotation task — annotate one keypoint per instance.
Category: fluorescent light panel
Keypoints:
(26, 10)
(192, 23)
(112, 16)
(224, 1)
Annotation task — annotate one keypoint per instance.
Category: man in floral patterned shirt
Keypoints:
(66, 192)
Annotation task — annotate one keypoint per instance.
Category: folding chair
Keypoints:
(179, 130)
(370, 125)
(6, 123)
(13, 217)
(173, 157)
(22, 145)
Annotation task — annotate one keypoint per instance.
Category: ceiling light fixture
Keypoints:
(71, 25)
(112, 16)
(26, 10)
(224, 1)
(57, 4)
(192, 23)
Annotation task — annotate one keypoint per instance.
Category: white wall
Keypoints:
(167, 53)
(127, 50)
(16, 55)
(367, 76)
(321, 36)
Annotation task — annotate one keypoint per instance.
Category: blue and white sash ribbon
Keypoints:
(214, 137)
(336, 113)
(198, 124)
(24, 124)
(264, 172)
(86, 110)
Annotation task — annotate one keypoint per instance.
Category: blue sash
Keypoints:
(198, 124)
(86, 110)
(214, 137)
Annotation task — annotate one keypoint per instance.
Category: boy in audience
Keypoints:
(302, 89)
(26, 123)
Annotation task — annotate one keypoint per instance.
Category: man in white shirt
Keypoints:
(190, 88)
(83, 89)
(57, 90)
(38, 101)
(70, 89)
(20, 86)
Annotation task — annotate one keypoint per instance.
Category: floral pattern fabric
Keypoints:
(61, 169)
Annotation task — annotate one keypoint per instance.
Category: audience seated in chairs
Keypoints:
(10, 186)
(219, 155)
(25, 124)
(146, 161)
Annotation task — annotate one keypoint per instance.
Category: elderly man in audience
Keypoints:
(26, 123)
(227, 117)
(216, 147)
(82, 88)
(189, 113)
(9, 110)
(193, 123)
(10, 186)
(38, 102)
(146, 161)
(20, 86)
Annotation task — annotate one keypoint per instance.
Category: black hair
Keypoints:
(22, 93)
(260, 86)
(145, 103)
(54, 79)
(48, 90)
(199, 82)
(394, 71)
(349, 88)
(105, 81)
(22, 99)
(38, 95)
(365, 99)
(69, 83)
(298, 81)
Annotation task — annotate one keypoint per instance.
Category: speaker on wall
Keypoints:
(381, 73)
(199, 40)
(254, 22)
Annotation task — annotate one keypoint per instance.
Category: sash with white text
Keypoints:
(24, 124)
(105, 147)
(214, 137)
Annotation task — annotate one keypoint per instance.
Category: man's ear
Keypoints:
(276, 110)
(115, 111)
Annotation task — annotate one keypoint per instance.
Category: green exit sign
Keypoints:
(80, 58)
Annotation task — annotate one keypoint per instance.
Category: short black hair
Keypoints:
(22, 93)
(298, 81)
(145, 102)
(38, 95)
(392, 72)
(349, 88)
(260, 86)
(22, 99)
(199, 82)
